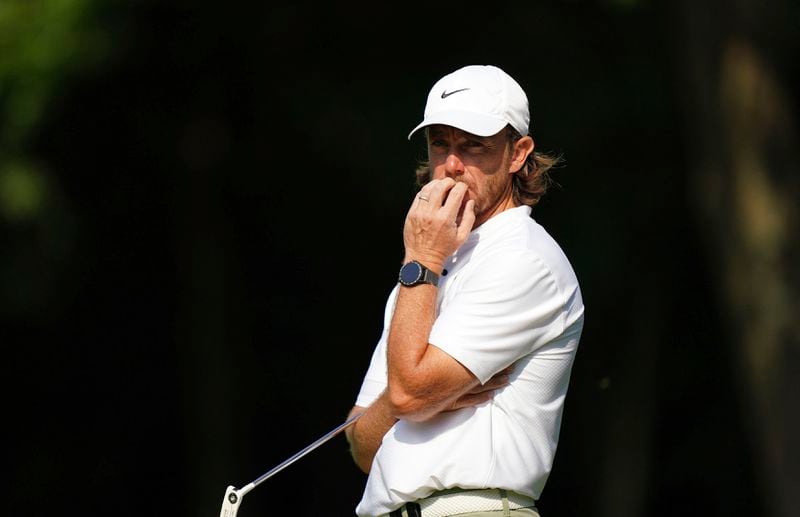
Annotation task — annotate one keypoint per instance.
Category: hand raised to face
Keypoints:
(438, 222)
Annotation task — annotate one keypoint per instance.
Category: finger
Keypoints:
(498, 381)
(437, 190)
(470, 400)
(423, 197)
(467, 220)
(455, 197)
(507, 370)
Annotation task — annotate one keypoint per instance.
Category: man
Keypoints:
(463, 398)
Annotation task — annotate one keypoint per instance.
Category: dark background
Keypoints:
(202, 208)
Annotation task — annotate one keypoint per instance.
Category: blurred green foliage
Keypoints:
(22, 190)
(42, 44)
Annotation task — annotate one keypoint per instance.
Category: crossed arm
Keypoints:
(366, 434)
(423, 381)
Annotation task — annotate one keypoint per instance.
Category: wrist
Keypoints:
(432, 262)
(414, 273)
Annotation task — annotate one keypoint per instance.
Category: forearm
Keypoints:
(422, 380)
(366, 435)
(406, 349)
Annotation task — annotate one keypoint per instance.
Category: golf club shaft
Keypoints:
(299, 455)
(233, 496)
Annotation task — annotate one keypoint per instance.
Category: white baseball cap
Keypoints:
(478, 99)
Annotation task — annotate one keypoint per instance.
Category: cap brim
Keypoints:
(475, 123)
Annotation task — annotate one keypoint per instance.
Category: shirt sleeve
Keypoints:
(504, 308)
(376, 378)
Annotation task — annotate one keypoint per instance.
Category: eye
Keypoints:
(474, 146)
(438, 145)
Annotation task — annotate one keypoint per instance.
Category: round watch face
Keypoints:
(410, 273)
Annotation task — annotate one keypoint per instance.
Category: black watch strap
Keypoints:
(414, 273)
(429, 277)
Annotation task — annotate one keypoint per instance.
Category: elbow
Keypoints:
(364, 465)
(362, 461)
(404, 405)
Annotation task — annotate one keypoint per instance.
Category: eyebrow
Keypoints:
(434, 133)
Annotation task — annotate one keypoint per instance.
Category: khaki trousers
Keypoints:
(519, 512)
(506, 511)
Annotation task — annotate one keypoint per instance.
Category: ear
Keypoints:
(522, 149)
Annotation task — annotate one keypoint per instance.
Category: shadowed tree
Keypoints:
(741, 126)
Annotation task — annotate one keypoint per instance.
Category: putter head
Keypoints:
(230, 503)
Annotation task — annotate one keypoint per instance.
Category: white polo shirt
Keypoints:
(510, 297)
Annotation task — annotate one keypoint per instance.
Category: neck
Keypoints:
(501, 206)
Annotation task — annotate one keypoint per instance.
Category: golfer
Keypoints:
(463, 398)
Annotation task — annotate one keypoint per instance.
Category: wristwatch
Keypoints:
(413, 273)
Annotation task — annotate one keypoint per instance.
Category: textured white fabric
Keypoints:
(478, 99)
(510, 297)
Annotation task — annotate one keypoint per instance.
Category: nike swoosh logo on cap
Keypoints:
(446, 94)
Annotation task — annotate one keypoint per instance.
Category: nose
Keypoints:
(453, 166)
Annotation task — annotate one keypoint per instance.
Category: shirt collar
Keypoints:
(522, 211)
